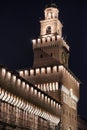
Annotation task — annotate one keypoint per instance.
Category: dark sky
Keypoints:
(19, 24)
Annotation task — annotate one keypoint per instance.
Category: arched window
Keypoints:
(48, 30)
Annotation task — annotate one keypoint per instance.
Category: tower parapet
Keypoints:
(49, 41)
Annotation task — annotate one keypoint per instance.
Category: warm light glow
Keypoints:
(52, 102)
(39, 94)
(39, 40)
(55, 69)
(3, 72)
(65, 90)
(23, 85)
(44, 86)
(32, 89)
(11, 98)
(42, 95)
(43, 39)
(34, 42)
(2, 94)
(48, 39)
(26, 72)
(16, 101)
(58, 37)
(51, 87)
(46, 98)
(5, 96)
(21, 73)
(14, 78)
(35, 91)
(48, 88)
(8, 97)
(8, 75)
(19, 82)
(61, 68)
(43, 70)
(38, 86)
(48, 69)
(53, 38)
(75, 98)
(26, 107)
(49, 15)
(56, 85)
(37, 71)
(57, 106)
(21, 105)
(31, 72)
(27, 86)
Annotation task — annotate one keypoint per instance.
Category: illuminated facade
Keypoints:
(45, 96)
(50, 72)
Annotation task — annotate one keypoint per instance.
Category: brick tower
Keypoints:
(50, 71)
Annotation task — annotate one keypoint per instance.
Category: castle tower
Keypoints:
(50, 71)
(50, 48)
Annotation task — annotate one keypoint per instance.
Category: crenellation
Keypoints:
(13, 78)
(49, 41)
(26, 72)
(52, 86)
(30, 108)
(54, 70)
(43, 40)
(34, 41)
(38, 40)
(23, 84)
(37, 71)
(51, 91)
(53, 38)
(69, 74)
(31, 72)
(19, 83)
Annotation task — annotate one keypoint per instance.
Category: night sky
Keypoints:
(19, 24)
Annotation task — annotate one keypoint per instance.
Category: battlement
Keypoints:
(49, 41)
(48, 71)
(20, 86)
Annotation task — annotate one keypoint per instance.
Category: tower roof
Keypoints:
(51, 5)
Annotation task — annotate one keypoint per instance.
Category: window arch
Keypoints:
(48, 30)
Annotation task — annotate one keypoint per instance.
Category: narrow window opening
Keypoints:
(48, 30)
